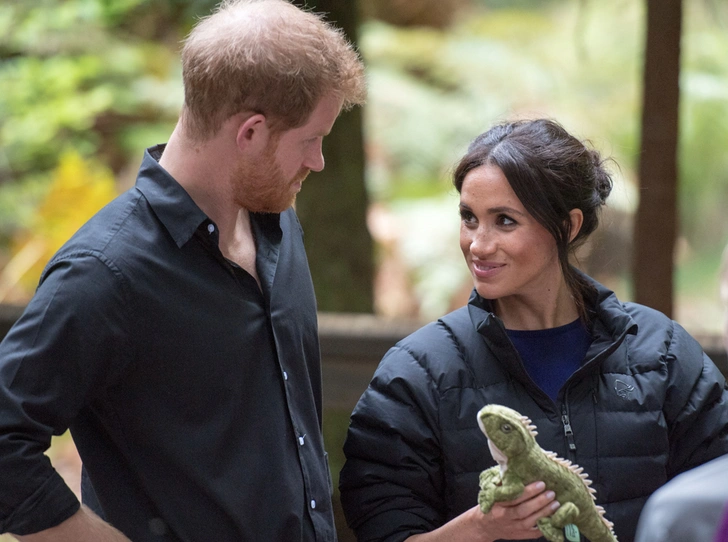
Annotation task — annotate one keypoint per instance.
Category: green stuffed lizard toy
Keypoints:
(521, 461)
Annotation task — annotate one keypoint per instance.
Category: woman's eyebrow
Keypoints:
(504, 209)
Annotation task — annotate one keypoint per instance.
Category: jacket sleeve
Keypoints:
(696, 406)
(63, 347)
(392, 483)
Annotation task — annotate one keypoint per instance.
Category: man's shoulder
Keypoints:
(110, 233)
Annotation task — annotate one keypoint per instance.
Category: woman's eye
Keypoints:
(504, 220)
(466, 216)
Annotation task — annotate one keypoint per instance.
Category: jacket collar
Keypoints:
(608, 313)
(610, 325)
(610, 321)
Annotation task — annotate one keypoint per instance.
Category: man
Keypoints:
(689, 507)
(175, 333)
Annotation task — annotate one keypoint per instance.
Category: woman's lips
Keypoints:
(486, 270)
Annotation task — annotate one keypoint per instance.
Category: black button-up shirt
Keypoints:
(193, 397)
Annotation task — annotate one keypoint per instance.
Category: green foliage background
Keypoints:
(97, 77)
(579, 62)
(102, 78)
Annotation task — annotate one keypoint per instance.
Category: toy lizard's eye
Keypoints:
(506, 428)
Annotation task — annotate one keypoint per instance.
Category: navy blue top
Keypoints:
(551, 356)
(193, 397)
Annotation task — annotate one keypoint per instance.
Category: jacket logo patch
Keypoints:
(623, 389)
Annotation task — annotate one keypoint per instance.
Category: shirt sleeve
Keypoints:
(689, 507)
(696, 406)
(69, 344)
(392, 482)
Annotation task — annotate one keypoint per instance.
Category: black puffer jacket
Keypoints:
(646, 405)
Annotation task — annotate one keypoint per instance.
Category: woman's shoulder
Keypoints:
(441, 348)
(659, 333)
(446, 332)
(626, 313)
(646, 316)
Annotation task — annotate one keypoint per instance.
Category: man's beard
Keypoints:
(261, 187)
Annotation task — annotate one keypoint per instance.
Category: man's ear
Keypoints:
(253, 133)
(576, 217)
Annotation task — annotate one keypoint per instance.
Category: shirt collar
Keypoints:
(173, 206)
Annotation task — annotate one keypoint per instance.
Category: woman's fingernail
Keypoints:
(540, 486)
(555, 505)
(550, 495)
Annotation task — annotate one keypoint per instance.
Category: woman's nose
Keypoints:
(482, 243)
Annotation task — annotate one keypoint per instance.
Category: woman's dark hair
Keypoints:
(551, 172)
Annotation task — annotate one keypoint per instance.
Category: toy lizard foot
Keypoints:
(567, 513)
(486, 498)
(489, 477)
(488, 480)
(549, 531)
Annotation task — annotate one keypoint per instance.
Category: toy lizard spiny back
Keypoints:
(521, 461)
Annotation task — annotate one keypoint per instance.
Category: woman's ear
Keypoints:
(576, 218)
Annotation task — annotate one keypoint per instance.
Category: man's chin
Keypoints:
(291, 203)
(274, 209)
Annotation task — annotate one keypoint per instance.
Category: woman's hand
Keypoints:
(510, 520)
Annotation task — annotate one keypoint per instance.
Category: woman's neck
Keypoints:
(548, 310)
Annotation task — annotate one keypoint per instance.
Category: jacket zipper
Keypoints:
(568, 431)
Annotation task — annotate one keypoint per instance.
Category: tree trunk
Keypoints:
(656, 221)
(333, 204)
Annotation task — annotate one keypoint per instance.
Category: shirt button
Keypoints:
(285, 375)
(300, 440)
(210, 228)
(313, 504)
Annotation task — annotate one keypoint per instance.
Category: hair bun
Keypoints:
(602, 179)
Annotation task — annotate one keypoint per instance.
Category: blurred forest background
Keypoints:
(86, 85)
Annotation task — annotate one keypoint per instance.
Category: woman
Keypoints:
(616, 387)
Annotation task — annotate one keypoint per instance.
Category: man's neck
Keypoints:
(202, 169)
(237, 244)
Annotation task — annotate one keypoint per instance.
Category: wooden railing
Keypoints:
(353, 344)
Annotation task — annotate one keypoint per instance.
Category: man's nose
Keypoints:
(315, 161)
